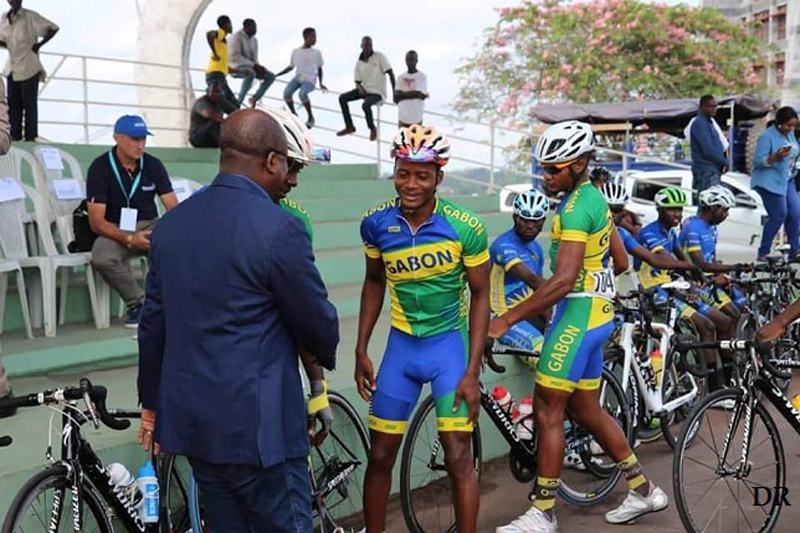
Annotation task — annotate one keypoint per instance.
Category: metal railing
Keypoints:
(482, 141)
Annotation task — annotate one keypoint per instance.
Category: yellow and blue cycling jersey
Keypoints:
(698, 235)
(583, 216)
(508, 250)
(425, 268)
(628, 240)
(508, 291)
(426, 276)
(656, 238)
(572, 356)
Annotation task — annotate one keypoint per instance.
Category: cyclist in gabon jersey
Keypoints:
(426, 251)
(583, 242)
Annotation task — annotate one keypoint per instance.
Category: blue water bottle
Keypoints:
(148, 485)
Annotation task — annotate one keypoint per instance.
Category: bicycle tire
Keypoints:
(56, 477)
(349, 436)
(608, 474)
(416, 488)
(670, 427)
(174, 474)
(691, 444)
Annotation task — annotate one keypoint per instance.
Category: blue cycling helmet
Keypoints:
(531, 205)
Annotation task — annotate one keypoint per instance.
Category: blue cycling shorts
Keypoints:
(523, 336)
(407, 364)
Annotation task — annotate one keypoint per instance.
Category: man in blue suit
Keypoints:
(231, 293)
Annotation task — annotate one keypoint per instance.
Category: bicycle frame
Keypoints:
(751, 384)
(80, 460)
(651, 392)
(504, 424)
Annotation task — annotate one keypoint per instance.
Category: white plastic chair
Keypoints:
(6, 267)
(15, 247)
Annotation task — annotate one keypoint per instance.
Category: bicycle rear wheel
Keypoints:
(716, 495)
(338, 465)
(426, 495)
(46, 499)
(594, 474)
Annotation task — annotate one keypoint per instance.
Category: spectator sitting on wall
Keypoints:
(412, 90)
(370, 77)
(243, 56)
(308, 62)
(218, 67)
(208, 114)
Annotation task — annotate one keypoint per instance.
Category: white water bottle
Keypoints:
(123, 479)
(525, 420)
(148, 485)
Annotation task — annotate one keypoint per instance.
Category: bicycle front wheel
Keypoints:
(174, 474)
(47, 500)
(339, 464)
(425, 491)
(714, 491)
(589, 473)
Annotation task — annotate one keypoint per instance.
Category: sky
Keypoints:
(444, 32)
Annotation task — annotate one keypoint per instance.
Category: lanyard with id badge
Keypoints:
(127, 216)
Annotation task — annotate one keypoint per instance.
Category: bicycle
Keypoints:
(667, 398)
(75, 492)
(336, 469)
(425, 491)
(718, 458)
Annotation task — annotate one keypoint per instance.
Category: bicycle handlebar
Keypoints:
(5, 441)
(488, 354)
(96, 393)
(682, 346)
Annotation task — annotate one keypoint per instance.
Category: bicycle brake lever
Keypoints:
(90, 408)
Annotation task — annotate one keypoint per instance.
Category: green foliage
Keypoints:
(552, 51)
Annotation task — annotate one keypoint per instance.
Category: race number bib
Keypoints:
(603, 284)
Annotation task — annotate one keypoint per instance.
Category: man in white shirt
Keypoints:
(20, 31)
(370, 72)
(243, 62)
(412, 90)
(308, 62)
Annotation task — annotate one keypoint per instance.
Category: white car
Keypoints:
(739, 235)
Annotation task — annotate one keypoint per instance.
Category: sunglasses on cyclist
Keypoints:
(555, 168)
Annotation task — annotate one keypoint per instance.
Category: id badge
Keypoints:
(127, 219)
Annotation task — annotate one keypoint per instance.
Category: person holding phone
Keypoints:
(773, 165)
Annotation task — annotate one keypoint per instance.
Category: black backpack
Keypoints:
(84, 236)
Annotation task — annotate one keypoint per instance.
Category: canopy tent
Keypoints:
(669, 116)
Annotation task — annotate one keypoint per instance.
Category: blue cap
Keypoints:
(132, 126)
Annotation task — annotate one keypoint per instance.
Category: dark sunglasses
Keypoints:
(556, 167)
(294, 165)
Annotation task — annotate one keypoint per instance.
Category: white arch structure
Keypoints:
(165, 36)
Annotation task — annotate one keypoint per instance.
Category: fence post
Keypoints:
(491, 154)
(85, 101)
(378, 140)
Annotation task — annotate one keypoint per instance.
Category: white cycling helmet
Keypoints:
(615, 193)
(531, 205)
(717, 195)
(564, 141)
(298, 137)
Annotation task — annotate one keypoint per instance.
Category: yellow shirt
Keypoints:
(221, 47)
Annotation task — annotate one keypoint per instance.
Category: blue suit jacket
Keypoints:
(232, 288)
(707, 150)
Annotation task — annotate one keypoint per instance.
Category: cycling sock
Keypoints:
(632, 470)
(544, 495)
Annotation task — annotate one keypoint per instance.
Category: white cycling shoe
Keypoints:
(573, 460)
(533, 521)
(636, 505)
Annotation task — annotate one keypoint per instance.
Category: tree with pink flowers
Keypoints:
(553, 51)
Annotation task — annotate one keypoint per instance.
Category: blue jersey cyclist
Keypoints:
(585, 253)
(617, 196)
(517, 264)
(426, 251)
(698, 239)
